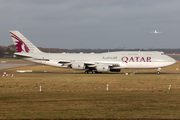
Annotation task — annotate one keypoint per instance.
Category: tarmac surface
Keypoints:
(4, 66)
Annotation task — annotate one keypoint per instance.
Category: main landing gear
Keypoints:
(89, 71)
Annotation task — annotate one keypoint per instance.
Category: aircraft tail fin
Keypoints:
(22, 44)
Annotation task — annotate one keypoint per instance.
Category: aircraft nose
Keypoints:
(171, 61)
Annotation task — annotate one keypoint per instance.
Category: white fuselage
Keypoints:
(123, 59)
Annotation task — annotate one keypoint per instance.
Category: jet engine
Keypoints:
(102, 68)
(78, 66)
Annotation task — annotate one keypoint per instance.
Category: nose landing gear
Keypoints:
(159, 71)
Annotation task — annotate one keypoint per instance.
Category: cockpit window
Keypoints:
(162, 53)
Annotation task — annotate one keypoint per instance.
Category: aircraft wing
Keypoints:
(88, 64)
(70, 62)
(64, 61)
(95, 64)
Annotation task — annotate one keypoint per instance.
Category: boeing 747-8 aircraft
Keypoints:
(90, 62)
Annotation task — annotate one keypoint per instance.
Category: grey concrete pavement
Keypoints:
(4, 66)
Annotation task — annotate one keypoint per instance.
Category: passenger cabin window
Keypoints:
(162, 54)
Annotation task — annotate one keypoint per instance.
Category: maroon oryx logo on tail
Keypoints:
(19, 44)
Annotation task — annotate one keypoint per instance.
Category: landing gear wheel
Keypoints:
(88, 71)
(158, 71)
(93, 72)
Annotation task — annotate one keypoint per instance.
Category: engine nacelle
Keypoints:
(78, 66)
(102, 68)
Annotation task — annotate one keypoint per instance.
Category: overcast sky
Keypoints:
(92, 23)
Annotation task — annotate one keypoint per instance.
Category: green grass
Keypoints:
(67, 95)
(95, 104)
